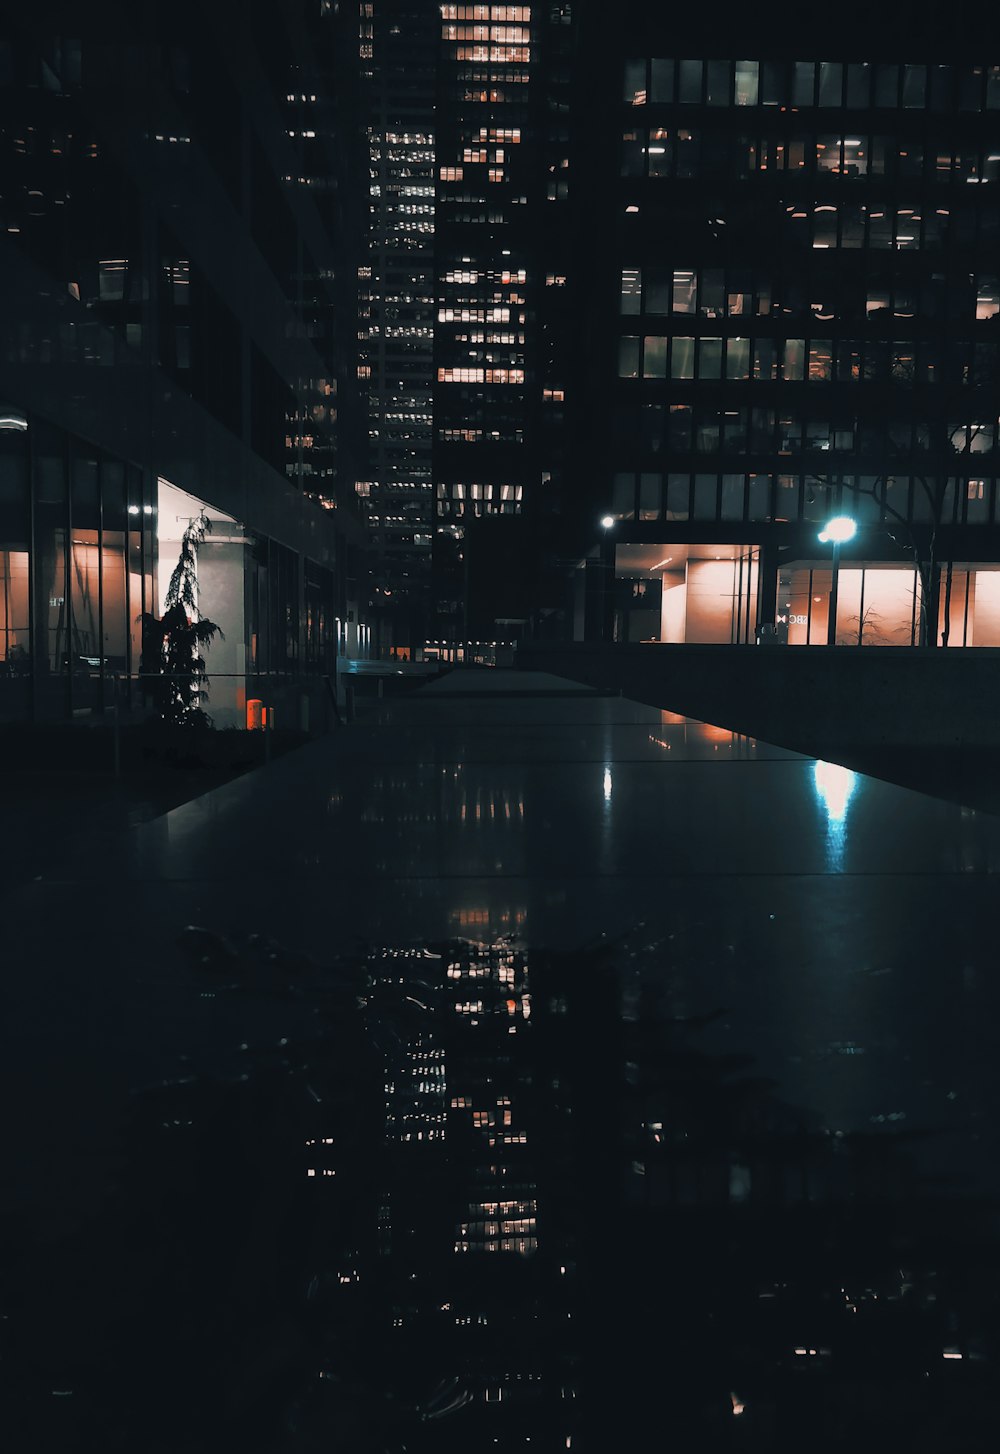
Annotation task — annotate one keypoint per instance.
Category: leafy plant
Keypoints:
(173, 644)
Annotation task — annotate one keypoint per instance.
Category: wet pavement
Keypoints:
(833, 930)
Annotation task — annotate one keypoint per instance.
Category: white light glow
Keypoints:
(834, 786)
(839, 529)
(607, 785)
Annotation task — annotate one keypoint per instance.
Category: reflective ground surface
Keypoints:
(542, 1066)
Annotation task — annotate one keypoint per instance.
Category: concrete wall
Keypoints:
(812, 698)
(221, 564)
(984, 609)
(711, 603)
(220, 581)
(673, 606)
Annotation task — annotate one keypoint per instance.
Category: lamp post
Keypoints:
(837, 530)
(607, 574)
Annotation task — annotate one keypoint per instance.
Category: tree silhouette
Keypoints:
(937, 486)
(172, 645)
(869, 630)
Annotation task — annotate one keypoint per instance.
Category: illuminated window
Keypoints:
(747, 74)
(631, 294)
(654, 358)
(828, 153)
(988, 298)
(659, 152)
(820, 361)
(712, 295)
(460, 376)
(793, 363)
(737, 358)
(685, 291)
(992, 87)
(682, 358)
(111, 280)
(634, 93)
(765, 354)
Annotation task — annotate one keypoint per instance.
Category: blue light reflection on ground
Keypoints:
(834, 786)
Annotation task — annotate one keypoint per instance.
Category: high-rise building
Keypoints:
(469, 325)
(795, 299)
(174, 344)
(396, 306)
(502, 344)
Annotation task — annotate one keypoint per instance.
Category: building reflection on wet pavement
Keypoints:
(510, 1069)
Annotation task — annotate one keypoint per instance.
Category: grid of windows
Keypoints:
(831, 337)
(856, 155)
(801, 84)
(488, 54)
(703, 423)
(747, 290)
(812, 360)
(707, 496)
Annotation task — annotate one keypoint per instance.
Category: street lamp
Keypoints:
(607, 575)
(837, 530)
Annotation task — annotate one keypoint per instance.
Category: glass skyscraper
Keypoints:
(396, 312)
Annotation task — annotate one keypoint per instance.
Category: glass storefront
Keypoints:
(878, 604)
(708, 594)
(76, 561)
(686, 593)
(86, 550)
(969, 612)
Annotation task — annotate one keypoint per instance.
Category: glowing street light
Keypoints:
(607, 521)
(837, 531)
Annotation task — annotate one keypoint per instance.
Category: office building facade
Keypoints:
(397, 45)
(799, 255)
(171, 348)
(502, 348)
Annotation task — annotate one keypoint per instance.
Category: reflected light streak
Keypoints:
(607, 785)
(834, 786)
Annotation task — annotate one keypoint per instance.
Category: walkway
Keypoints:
(846, 926)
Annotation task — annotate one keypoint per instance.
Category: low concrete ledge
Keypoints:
(816, 699)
